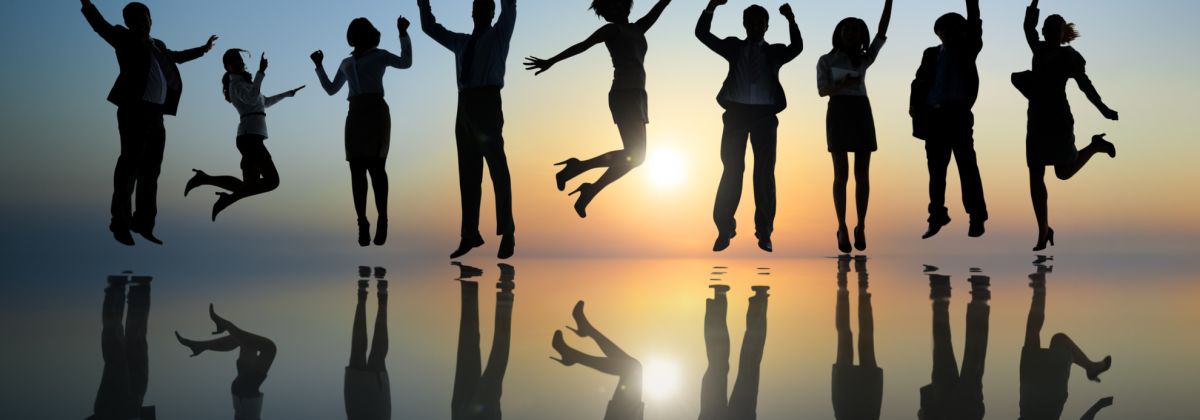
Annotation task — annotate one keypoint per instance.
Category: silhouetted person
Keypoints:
(123, 346)
(147, 88)
(476, 390)
(368, 390)
(956, 394)
(742, 404)
(369, 121)
(751, 96)
(1050, 140)
(258, 170)
(849, 123)
(1045, 372)
(626, 403)
(255, 355)
(857, 389)
(480, 59)
(943, 93)
(627, 100)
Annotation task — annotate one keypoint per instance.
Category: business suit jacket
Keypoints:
(133, 55)
(962, 53)
(731, 47)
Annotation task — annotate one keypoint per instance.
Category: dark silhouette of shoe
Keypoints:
(976, 229)
(193, 346)
(221, 324)
(860, 238)
(380, 273)
(147, 233)
(196, 181)
(719, 289)
(121, 235)
(843, 239)
(224, 200)
(560, 345)
(569, 171)
(508, 244)
(364, 232)
(118, 280)
(764, 243)
(465, 246)
(760, 290)
(583, 327)
(381, 232)
(1103, 145)
(466, 271)
(1094, 374)
(141, 280)
(1049, 238)
(364, 271)
(722, 241)
(586, 193)
(935, 226)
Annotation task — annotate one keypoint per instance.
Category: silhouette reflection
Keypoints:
(477, 391)
(1045, 372)
(956, 393)
(626, 403)
(742, 404)
(857, 389)
(367, 389)
(255, 356)
(123, 345)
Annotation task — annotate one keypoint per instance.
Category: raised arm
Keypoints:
(508, 19)
(646, 22)
(435, 30)
(885, 21)
(1085, 85)
(797, 42)
(405, 60)
(1031, 20)
(973, 10)
(1095, 409)
(180, 57)
(97, 22)
(534, 63)
(704, 28)
(331, 87)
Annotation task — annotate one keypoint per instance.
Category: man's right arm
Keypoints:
(431, 27)
(96, 20)
(704, 28)
(974, 36)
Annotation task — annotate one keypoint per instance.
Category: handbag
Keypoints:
(1025, 81)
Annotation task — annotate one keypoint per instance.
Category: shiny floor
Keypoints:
(883, 338)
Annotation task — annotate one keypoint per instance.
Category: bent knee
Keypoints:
(636, 158)
(1059, 341)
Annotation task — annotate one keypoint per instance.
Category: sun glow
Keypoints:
(666, 168)
(661, 378)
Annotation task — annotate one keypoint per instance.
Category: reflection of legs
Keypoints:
(945, 366)
(715, 384)
(763, 140)
(743, 402)
(1037, 315)
(115, 395)
(136, 349)
(845, 337)
(379, 340)
(467, 368)
(975, 351)
(358, 338)
(1062, 342)
(491, 384)
(866, 327)
(733, 157)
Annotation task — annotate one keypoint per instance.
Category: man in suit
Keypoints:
(147, 88)
(943, 93)
(751, 97)
(480, 59)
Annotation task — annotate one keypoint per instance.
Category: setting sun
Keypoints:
(666, 168)
(661, 378)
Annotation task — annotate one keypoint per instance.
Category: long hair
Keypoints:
(232, 57)
(1069, 32)
(855, 52)
(362, 35)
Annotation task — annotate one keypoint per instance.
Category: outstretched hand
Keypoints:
(534, 63)
(317, 57)
(402, 24)
(1109, 113)
(292, 92)
(262, 63)
(212, 40)
(786, 11)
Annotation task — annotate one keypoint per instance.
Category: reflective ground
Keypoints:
(956, 338)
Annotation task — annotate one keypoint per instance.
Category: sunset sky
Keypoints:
(60, 139)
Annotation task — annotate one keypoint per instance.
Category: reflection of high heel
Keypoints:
(196, 181)
(561, 347)
(1041, 245)
(191, 345)
(584, 328)
(565, 174)
(843, 239)
(586, 193)
(221, 324)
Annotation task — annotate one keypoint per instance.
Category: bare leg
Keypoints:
(1067, 171)
(379, 182)
(1040, 196)
(841, 175)
(862, 185)
(1094, 369)
(618, 162)
(358, 186)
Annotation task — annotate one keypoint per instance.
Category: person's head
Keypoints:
(234, 64)
(851, 36)
(137, 17)
(756, 20)
(612, 10)
(482, 11)
(362, 35)
(1058, 31)
(949, 26)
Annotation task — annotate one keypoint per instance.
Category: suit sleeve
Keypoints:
(106, 30)
(180, 57)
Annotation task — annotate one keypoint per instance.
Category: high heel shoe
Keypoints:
(1105, 365)
(191, 345)
(1103, 145)
(224, 200)
(221, 324)
(843, 239)
(583, 327)
(381, 226)
(560, 345)
(1041, 245)
(860, 238)
(569, 170)
(196, 181)
(364, 232)
(586, 193)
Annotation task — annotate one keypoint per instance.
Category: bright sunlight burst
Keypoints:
(661, 378)
(665, 167)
